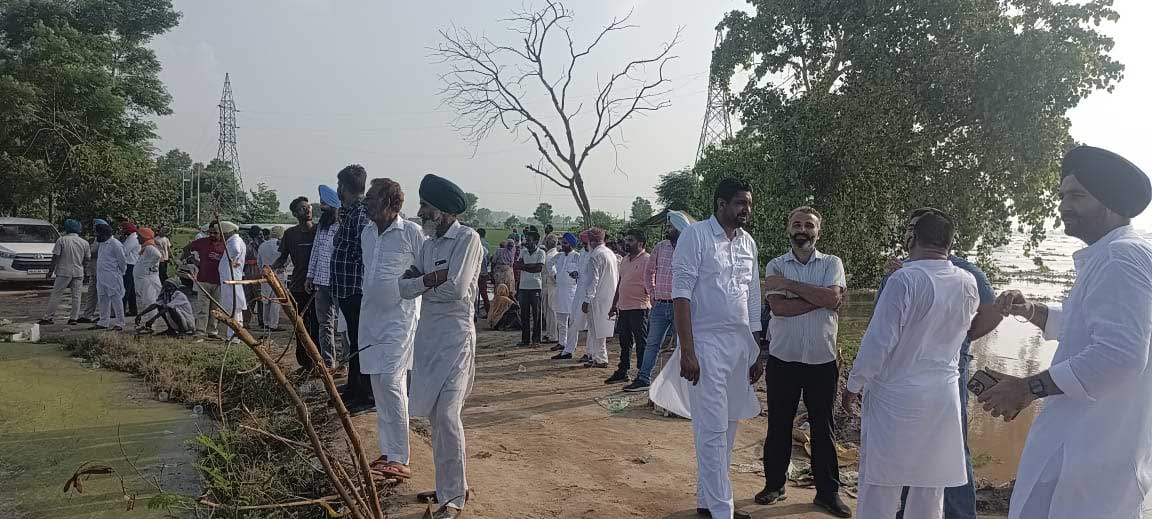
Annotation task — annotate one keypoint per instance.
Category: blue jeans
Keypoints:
(959, 502)
(660, 323)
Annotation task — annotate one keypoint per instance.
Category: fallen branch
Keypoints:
(330, 385)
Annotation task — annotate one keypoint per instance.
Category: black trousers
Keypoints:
(786, 382)
(304, 304)
(163, 271)
(530, 324)
(359, 385)
(632, 325)
(129, 292)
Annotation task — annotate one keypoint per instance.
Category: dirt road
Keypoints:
(540, 446)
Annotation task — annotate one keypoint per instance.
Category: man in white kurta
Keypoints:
(577, 319)
(266, 256)
(1089, 451)
(907, 370)
(548, 297)
(389, 245)
(231, 268)
(444, 359)
(595, 292)
(716, 292)
(565, 264)
(111, 266)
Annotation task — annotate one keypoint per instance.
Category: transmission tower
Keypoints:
(717, 125)
(227, 150)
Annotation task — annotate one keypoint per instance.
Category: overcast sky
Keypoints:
(324, 83)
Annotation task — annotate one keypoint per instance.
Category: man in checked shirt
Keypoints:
(347, 278)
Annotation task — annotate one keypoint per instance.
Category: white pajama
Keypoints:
(271, 311)
(883, 502)
(111, 305)
(548, 313)
(75, 285)
(391, 393)
(713, 457)
(448, 441)
(579, 322)
(562, 329)
(597, 348)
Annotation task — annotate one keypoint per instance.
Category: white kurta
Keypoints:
(1098, 434)
(720, 278)
(146, 275)
(445, 347)
(232, 296)
(597, 287)
(132, 248)
(110, 268)
(389, 324)
(565, 285)
(907, 369)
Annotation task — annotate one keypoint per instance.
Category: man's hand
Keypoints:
(756, 371)
(584, 307)
(689, 367)
(412, 273)
(308, 286)
(848, 400)
(775, 283)
(435, 279)
(612, 312)
(1008, 397)
(1013, 302)
(892, 265)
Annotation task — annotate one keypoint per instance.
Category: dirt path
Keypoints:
(539, 445)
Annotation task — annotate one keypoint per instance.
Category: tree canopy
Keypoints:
(867, 109)
(543, 213)
(641, 210)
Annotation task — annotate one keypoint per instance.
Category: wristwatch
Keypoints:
(1036, 387)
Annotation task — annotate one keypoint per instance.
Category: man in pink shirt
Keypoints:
(658, 284)
(631, 305)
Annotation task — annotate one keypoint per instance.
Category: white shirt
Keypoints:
(565, 265)
(445, 348)
(1102, 425)
(907, 368)
(132, 248)
(549, 273)
(387, 330)
(532, 280)
(165, 246)
(268, 253)
(231, 268)
(719, 277)
(809, 338)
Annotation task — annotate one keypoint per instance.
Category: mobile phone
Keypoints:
(981, 381)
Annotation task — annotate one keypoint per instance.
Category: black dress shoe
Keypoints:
(562, 356)
(735, 513)
(834, 506)
(558, 347)
(769, 496)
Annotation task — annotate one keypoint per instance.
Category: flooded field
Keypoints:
(59, 413)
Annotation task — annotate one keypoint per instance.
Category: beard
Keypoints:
(429, 225)
(801, 240)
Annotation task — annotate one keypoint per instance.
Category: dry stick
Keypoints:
(301, 409)
(330, 385)
(277, 437)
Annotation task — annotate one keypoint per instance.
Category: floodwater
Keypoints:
(57, 413)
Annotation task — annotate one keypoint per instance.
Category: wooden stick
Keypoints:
(302, 411)
(243, 281)
(330, 385)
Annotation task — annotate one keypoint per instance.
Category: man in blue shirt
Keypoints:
(960, 502)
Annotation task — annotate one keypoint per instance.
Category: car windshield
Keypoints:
(23, 233)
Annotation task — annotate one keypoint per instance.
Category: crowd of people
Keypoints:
(422, 287)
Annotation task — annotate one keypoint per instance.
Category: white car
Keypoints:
(26, 248)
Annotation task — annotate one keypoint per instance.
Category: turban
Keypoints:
(679, 220)
(72, 226)
(329, 197)
(442, 194)
(571, 239)
(98, 222)
(228, 227)
(147, 237)
(1110, 178)
(278, 232)
(584, 236)
(128, 227)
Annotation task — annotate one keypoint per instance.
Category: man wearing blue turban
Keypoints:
(69, 256)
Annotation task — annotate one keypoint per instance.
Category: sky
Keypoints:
(320, 84)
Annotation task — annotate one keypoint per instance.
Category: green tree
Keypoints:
(512, 223)
(469, 214)
(543, 213)
(679, 190)
(605, 221)
(886, 106)
(79, 84)
(641, 210)
(262, 206)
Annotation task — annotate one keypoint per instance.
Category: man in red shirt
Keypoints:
(205, 253)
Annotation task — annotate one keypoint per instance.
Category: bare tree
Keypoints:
(488, 84)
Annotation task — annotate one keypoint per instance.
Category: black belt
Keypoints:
(662, 300)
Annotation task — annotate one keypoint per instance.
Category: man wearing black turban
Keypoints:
(444, 353)
(1088, 453)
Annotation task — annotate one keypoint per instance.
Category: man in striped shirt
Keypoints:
(805, 288)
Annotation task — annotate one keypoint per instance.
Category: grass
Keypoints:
(848, 340)
(239, 467)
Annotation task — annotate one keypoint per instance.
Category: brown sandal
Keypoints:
(389, 469)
